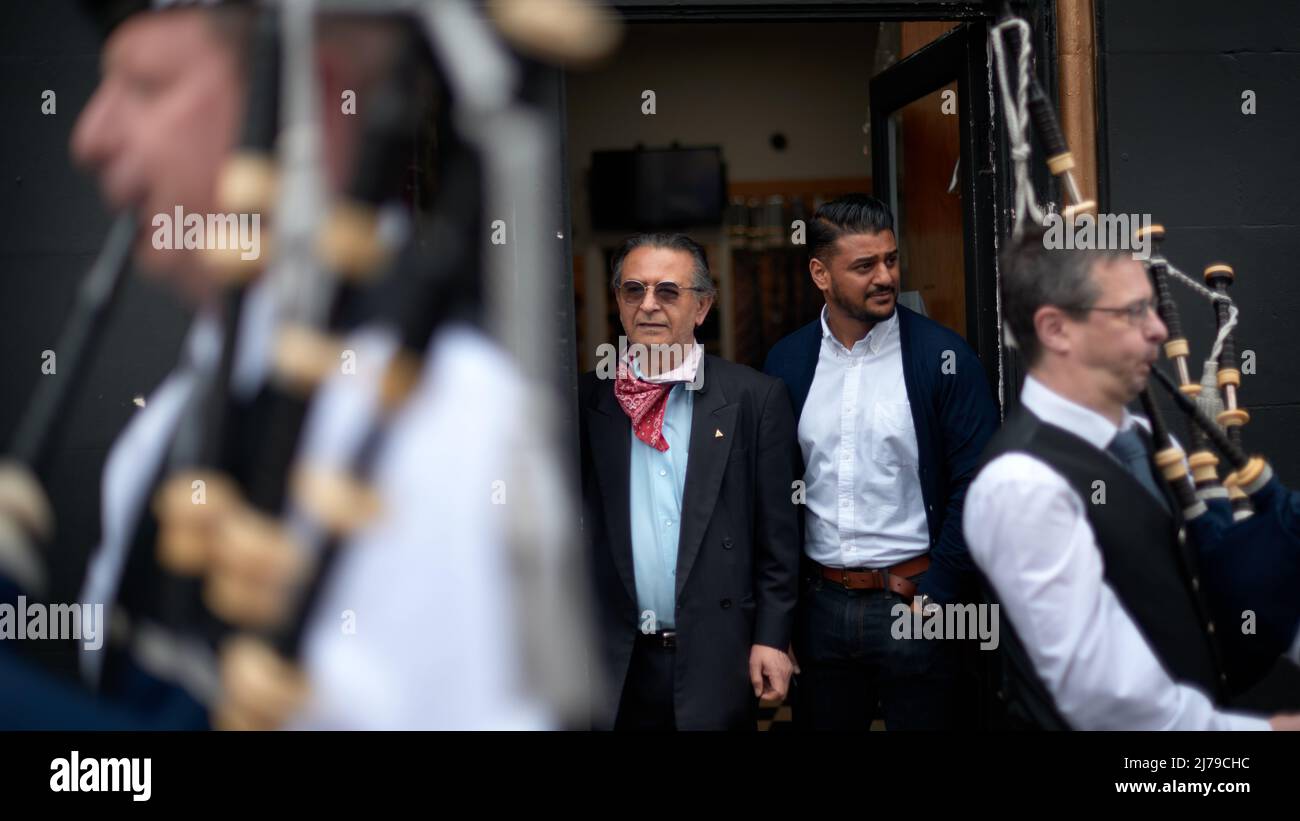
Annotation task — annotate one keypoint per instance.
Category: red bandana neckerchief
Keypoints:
(645, 403)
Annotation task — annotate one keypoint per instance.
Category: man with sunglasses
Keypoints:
(688, 462)
(1103, 622)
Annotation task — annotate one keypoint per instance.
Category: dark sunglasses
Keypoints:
(666, 293)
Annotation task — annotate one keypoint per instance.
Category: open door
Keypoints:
(933, 164)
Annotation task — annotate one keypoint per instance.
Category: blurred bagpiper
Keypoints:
(343, 508)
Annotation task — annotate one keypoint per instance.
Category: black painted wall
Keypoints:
(1226, 185)
(51, 226)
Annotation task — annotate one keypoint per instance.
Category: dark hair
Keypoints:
(1034, 275)
(672, 242)
(849, 214)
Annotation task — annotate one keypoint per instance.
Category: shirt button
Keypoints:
(663, 473)
(668, 522)
(1196, 584)
(1210, 628)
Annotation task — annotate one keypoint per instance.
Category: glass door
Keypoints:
(932, 162)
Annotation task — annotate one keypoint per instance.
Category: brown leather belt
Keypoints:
(885, 578)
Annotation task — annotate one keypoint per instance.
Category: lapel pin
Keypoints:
(717, 433)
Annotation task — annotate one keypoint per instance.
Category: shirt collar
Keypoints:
(1083, 422)
(684, 372)
(873, 341)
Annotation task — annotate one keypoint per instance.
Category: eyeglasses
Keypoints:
(1136, 313)
(666, 293)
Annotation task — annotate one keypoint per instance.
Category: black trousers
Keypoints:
(646, 704)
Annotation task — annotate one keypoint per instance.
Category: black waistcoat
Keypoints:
(148, 593)
(1145, 562)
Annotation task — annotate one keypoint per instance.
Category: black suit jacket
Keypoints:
(739, 547)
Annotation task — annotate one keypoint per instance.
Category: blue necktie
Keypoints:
(1131, 451)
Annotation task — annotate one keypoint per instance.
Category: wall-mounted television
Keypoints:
(656, 189)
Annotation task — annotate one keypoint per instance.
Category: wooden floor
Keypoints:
(778, 720)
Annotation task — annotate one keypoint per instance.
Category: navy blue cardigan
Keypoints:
(954, 415)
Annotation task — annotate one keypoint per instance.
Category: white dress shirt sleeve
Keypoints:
(416, 628)
(1027, 530)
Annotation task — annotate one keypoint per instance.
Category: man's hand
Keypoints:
(260, 690)
(929, 610)
(769, 672)
(26, 522)
(1282, 721)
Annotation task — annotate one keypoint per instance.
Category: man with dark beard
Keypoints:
(894, 411)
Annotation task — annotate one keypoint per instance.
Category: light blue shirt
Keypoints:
(656, 508)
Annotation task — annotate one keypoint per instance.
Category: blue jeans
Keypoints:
(854, 670)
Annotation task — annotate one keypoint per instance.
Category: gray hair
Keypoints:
(1034, 275)
(700, 276)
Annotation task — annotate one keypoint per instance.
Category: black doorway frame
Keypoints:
(954, 56)
(745, 11)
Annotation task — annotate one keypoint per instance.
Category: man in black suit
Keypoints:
(688, 464)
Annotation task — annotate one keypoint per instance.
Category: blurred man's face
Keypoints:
(860, 277)
(160, 125)
(1117, 352)
(657, 318)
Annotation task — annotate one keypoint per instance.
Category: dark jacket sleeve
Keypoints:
(776, 532)
(968, 418)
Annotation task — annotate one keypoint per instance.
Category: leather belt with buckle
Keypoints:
(884, 578)
(662, 639)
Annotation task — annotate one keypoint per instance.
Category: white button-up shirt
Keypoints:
(863, 491)
(1028, 531)
(415, 628)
